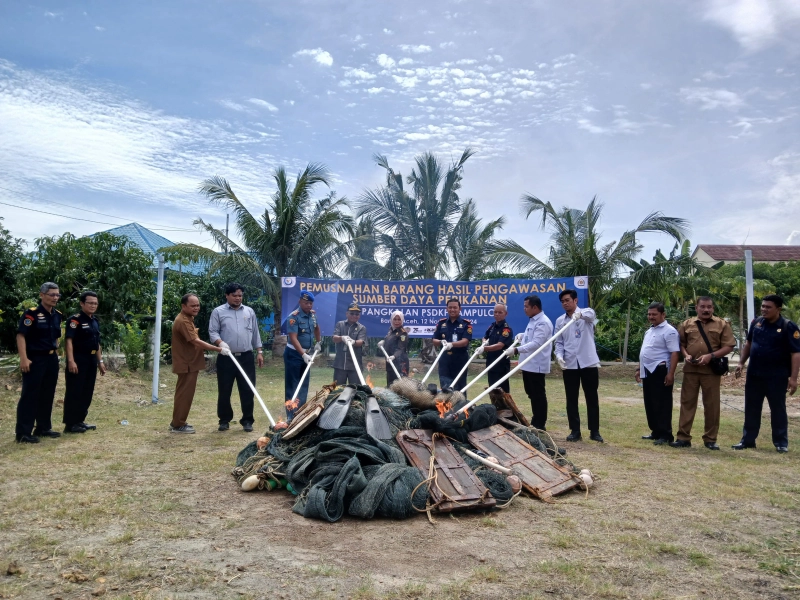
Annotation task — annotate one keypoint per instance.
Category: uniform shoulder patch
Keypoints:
(468, 322)
(505, 333)
(292, 321)
(27, 320)
(73, 323)
(796, 334)
(295, 312)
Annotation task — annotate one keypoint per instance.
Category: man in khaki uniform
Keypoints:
(697, 373)
(187, 361)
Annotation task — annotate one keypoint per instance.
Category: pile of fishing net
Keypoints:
(347, 471)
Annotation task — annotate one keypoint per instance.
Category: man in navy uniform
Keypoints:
(773, 345)
(499, 336)
(454, 335)
(84, 356)
(303, 332)
(37, 342)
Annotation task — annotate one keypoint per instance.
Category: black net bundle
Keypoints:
(542, 441)
(494, 481)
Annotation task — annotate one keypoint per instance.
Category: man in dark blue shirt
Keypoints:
(498, 338)
(84, 357)
(454, 335)
(37, 342)
(773, 347)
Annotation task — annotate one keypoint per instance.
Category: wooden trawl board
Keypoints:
(456, 480)
(540, 475)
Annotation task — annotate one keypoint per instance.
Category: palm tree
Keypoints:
(416, 224)
(473, 243)
(672, 280)
(575, 246)
(294, 235)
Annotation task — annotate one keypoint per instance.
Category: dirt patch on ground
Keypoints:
(135, 512)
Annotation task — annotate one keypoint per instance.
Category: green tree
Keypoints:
(473, 244)
(576, 247)
(293, 235)
(120, 273)
(10, 279)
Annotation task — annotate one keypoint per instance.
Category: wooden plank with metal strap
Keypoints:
(453, 485)
(540, 474)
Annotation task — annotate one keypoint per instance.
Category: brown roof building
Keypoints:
(711, 254)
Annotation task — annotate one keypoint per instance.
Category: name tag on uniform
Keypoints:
(455, 336)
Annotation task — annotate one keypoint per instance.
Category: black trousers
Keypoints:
(226, 374)
(449, 369)
(500, 371)
(535, 388)
(35, 405)
(402, 365)
(589, 380)
(80, 389)
(755, 389)
(658, 403)
(346, 376)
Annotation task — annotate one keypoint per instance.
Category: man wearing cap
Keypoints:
(37, 342)
(236, 326)
(344, 370)
(454, 335)
(304, 336)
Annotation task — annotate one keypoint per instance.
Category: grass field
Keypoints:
(131, 511)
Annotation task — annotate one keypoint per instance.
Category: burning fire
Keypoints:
(370, 366)
(292, 404)
(443, 408)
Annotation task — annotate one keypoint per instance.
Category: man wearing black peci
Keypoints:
(499, 336)
(84, 357)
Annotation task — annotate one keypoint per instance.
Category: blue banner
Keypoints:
(424, 301)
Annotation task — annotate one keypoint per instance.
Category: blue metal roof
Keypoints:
(149, 242)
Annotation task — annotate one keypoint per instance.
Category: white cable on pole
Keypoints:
(252, 387)
(355, 362)
(515, 369)
(396, 372)
(428, 374)
(486, 370)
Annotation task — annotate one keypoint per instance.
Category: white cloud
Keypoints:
(318, 54)
(417, 136)
(462, 103)
(793, 239)
(420, 49)
(51, 15)
(587, 125)
(358, 74)
(470, 92)
(466, 61)
(388, 31)
(263, 104)
(710, 99)
(99, 28)
(376, 90)
(756, 24)
(406, 61)
(447, 44)
(385, 61)
(233, 105)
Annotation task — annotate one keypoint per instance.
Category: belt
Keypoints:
(242, 353)
(40, 352)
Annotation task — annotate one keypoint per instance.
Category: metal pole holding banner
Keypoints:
(748, 276)
(157, 327)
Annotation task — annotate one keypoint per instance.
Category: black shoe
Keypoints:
(712, 445)
(742, 446)
(49, 433)
(247, 427)
(574, 436)
(596, 437)
(649, 437)
(75, 429)
(662, 442)
(681, 444)
(223, 427)
(27, 439)
(782, 449)
(88, 426)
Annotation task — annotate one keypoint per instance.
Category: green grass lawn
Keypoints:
(132, 511)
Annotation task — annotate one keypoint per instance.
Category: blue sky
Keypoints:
(688, 107)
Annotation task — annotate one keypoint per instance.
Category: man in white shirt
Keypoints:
(658, 360)
(577, 357)
(538, 331)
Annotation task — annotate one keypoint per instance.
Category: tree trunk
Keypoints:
(279, 341)
(627, 332)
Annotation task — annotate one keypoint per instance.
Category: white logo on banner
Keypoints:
(289, 281)
(581, 282)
